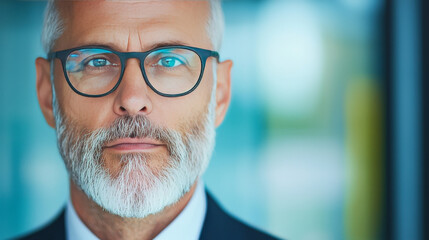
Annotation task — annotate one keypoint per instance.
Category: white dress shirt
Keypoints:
(187, 225)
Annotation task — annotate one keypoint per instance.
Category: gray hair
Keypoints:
(53, 25)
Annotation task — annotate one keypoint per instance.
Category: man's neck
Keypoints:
(108, 226)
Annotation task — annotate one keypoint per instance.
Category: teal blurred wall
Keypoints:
(288, 158)
(32, 178)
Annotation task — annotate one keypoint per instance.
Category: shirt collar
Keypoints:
(187, 225)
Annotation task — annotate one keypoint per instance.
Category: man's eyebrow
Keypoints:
(165, 44)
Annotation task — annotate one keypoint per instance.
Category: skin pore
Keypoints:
(131, 26)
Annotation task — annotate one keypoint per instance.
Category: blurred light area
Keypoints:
(304, 177)
(291, 57)
(49, 187)
(363, 5)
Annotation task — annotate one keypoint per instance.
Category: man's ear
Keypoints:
(223, 90)
(44, 89)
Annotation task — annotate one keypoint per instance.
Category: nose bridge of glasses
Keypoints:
(129, 57)
(140, 56)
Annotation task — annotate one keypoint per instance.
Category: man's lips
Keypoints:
(133, 144)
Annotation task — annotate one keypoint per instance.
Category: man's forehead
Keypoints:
(89, 22)
(135, 8)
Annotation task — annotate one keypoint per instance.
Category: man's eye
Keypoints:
(99, 62)
(169, 62)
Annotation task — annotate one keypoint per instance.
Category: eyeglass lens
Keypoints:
(97, 71)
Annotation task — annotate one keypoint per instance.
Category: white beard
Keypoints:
(137, 190)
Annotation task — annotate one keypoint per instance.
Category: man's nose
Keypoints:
(132, 97)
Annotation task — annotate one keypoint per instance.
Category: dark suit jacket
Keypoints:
(218, 225)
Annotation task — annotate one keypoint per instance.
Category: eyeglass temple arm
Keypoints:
(51, 56)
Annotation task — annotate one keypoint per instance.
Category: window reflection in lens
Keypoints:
(93, 71)
(172, 70)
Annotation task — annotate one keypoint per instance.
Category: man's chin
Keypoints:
(135, 194)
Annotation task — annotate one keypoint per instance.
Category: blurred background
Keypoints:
(324, 139)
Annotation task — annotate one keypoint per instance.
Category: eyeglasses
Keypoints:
(170, 71)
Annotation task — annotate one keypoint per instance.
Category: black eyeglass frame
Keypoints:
(203, 54)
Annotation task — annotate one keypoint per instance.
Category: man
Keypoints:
(134, 90)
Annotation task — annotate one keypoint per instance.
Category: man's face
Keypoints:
(134, 27)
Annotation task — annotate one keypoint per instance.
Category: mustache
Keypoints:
(72, 139)
(123, 127)
(136, 127)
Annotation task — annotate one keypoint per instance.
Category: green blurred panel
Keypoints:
(364, 117)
